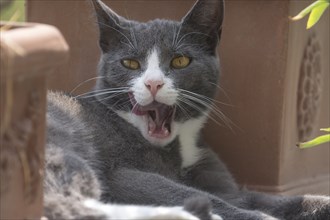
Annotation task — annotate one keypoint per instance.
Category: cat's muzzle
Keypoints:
(159, 117)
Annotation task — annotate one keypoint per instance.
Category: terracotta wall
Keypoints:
(261, 56)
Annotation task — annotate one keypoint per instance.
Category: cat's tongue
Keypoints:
(159, 121)
(159, 117)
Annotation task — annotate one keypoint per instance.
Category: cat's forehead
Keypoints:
(156, 33)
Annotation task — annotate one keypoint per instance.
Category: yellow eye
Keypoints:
(130, 64)
(180, 62)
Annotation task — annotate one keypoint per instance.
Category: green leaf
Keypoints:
(316, 14)
(16, 9)
(316, 141)
(308, 9)
(325, 129)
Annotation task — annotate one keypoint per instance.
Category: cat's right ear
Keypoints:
(110, 24)
(206, 16)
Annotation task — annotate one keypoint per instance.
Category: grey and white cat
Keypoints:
(135, 139)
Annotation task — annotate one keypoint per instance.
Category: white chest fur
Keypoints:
(188, 134)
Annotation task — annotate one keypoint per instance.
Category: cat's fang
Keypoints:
(151, 124)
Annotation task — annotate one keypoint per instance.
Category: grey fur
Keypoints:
(199, 206)
(94, 153)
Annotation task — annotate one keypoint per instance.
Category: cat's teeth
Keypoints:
(166, 132)
(151, 124)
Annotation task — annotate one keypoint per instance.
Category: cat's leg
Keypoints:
(307, 207)
(68, 182)
(209, 174)
(136, 187)
(71, 191)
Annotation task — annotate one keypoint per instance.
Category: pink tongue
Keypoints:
(137, 111)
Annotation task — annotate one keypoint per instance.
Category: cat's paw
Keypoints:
(199, 206)
(215, 217)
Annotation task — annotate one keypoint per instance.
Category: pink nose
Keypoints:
(153, 86)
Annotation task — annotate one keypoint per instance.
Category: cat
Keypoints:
(134, 142)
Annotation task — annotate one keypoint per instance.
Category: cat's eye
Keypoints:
(131, 64)
(180, 62)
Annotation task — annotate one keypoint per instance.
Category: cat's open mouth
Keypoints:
(159, 117)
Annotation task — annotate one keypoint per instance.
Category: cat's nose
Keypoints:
(154, 86)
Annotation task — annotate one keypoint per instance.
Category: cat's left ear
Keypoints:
(206, 16)
(111, 25)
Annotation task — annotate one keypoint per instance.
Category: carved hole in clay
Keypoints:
(309, 89)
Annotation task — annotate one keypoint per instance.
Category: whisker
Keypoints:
(134, 106)
(102, 90)
(184, 110)
(209, 105)
(176, 37)
(185, 35)
(113, 105)
(183, 45)
(93, 94)
(124, 104)
(221, 89)
(131, 30)
(213, 109)
(88, 80)
(117, 109)
(111, 96)
(126, 43)
(205, 97)
(193, 105)
(130, 43)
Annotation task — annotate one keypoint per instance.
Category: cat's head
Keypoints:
(160, 74)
